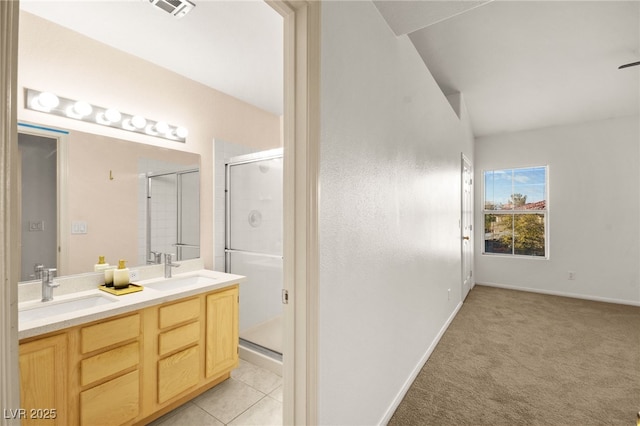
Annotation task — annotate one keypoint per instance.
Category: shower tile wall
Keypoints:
(166, 203)
(164, 215)
(223, 152)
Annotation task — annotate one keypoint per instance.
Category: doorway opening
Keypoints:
(466, 226)
(40, 159)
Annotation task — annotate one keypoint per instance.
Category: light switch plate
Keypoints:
(79, 227)
(36, 226)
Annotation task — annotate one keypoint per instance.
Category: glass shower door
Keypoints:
(173, 222)
(254, 245)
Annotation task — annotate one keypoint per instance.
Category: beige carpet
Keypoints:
(517, 358)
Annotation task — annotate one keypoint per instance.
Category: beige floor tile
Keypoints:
(160, 420)
(267, 412)
(228, 400)
(190, 415)
(257, 377)
(277, 394)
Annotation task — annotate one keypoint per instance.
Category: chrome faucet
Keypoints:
(48, 284)
(156, 257)
(168, 264)
(37, 271)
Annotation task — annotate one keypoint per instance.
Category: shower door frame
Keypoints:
(178, 245)
(237, 161)
(271, 154)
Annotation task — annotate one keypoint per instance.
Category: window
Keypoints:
(515, 212)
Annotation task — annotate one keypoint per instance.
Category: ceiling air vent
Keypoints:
(177, 8)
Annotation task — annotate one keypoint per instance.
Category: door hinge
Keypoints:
(285, 297)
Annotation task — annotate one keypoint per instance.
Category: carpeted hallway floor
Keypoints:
(517, 358)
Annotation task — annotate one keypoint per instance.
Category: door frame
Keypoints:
(465, 161)
(9, 209)
(63, 222)
(301, 132)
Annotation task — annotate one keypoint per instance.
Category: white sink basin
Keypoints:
(179, 282)
(41, 310)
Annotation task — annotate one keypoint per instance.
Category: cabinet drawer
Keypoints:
(112, 403)
(109, 333)
(178, 338)
(178, 373)
(108, 363)
(180, 312)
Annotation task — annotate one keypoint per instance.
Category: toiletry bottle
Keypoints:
(121, 276)
(102, 266)
(108, 276)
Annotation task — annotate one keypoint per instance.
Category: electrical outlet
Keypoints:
(572, 275)
(133, 275)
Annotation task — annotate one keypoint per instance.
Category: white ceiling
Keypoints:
(519, 64)
(530, 64)
(235, 47)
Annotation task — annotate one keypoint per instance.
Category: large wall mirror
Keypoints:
(84, 195)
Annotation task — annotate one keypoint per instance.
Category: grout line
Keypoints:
(248, 408)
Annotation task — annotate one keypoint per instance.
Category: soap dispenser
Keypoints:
(102, 266)
(121, 276)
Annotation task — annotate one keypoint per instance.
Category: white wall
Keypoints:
(389, 214)
(55, 59)
(594, 207)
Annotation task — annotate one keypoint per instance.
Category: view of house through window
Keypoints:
(515, 211)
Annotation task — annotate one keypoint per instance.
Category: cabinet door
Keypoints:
(178, 373)
(222, 332)
(43, 380)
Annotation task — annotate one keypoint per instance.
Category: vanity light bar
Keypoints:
(50, 103)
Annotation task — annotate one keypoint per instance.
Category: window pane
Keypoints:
(498, 233)
(529, 234)
(529, 188)
(498, 185)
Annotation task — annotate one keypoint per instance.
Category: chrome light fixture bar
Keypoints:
(50, 103)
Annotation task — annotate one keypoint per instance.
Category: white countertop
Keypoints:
(121, 304)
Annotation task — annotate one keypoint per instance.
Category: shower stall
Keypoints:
(253, 246)
(173, 214)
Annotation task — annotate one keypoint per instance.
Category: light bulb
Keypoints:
(138, 121)
(45, 101)
(161, 127)
(108, 117)
(181, 132)
(112, 115)
(82, 108)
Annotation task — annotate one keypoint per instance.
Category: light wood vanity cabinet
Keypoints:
(222, 332)
(43, 380)
(134, 367)
(106, 367)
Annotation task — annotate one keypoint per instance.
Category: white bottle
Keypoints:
(108, 276)
(103, 266)
(121, 276)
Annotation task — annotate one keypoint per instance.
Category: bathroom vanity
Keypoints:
(127, 359)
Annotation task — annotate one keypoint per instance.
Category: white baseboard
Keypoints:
(563, 294)
(407, 384)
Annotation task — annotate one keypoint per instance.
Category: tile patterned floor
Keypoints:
(252, 396)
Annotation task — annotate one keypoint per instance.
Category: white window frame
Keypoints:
(515, 212)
